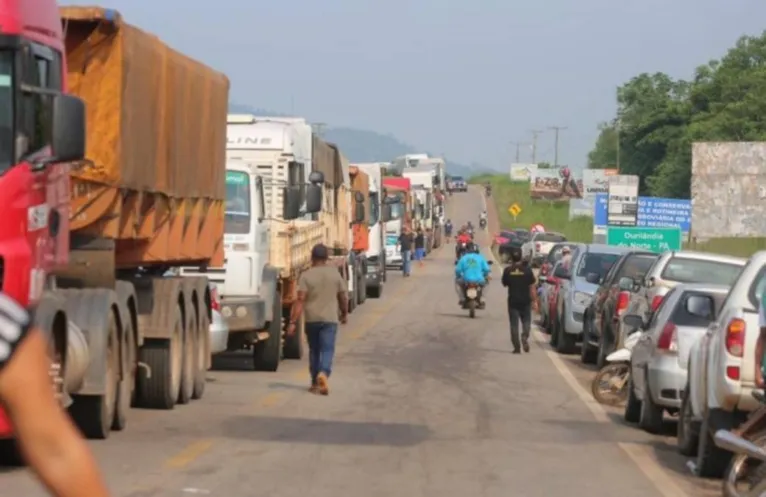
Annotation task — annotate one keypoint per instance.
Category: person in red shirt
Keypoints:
(462, 239)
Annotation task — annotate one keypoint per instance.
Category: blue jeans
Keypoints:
(420, 254)
(406, 262)
(321, 338)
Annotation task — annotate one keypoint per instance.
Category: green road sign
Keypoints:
(653, 239)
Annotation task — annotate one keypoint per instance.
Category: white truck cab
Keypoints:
(380, 213)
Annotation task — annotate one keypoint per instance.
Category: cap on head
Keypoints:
(320, 253)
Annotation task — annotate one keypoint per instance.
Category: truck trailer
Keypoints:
(104, 223)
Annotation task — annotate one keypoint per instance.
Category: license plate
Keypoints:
(472, 293)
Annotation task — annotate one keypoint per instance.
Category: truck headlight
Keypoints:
(581, 299)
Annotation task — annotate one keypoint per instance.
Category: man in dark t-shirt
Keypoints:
(420, 247)
(405, 243)
(520, 281)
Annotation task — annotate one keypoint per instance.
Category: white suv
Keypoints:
(721, 370)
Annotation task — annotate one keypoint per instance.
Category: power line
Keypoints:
(556, 130)
(518, 150)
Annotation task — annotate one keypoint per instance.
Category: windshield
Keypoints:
(636, 266)
(6, 110)
(397, 210)
(237, 203)
(374, 208)
(683, 270)
(596, 263)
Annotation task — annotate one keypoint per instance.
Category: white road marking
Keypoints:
(641, 455)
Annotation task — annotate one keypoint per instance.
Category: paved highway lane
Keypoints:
(424, 402)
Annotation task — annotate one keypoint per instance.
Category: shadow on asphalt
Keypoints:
(325, 432)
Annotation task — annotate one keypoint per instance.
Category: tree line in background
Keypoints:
(658, 118)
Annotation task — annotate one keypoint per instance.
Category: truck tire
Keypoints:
(266, 354)
(127, 385)
(190, 339)
(94, 414)
(293, 345)
(376, 291)
(164, 359)
(203, 350)
(10, 455)
(361, 290)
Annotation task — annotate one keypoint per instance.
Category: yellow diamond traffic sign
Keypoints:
(514, 209)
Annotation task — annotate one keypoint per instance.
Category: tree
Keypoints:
(659, 118)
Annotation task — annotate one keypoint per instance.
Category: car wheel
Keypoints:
(687, 431)
(650, 417)
(587, 353)
(633, 406)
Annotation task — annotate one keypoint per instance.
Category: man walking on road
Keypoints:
(520, 281)
(323, 298)
(420, 247)
(405, 243)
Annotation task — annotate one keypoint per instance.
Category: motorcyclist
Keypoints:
(471, 268)
(462, 240)
(488, 188)
(483, 218)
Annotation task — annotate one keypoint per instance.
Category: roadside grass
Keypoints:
(555, 217)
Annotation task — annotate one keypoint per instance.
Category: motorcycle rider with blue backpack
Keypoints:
(471, 268)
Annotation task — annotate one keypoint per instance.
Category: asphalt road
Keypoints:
(424, 402)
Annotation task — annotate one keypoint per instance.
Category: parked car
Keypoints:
(672, 268)
(576, 291)
(722, 366)
(602, 327)
(547, 292)
(539, 245)
(504, 236)
(660, 358)
(219, 330)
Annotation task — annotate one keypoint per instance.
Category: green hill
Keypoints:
(361, 145)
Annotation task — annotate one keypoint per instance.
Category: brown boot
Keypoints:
(314, 389)
(323, 384)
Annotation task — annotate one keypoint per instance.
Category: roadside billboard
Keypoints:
(558, 184)
(653, 212)
(522, 172)
(728, 189)
(623, 200)
(596, 181)
(581, 207)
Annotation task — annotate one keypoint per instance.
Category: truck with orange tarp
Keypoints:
(123, 201)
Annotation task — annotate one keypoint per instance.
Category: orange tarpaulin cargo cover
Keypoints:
(156, 134)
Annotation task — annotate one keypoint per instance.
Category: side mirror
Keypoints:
(700, 306)
(68, 140)
(633, 321)
(593, 278)
(316, 177)
(359, 213)
(358, 197)
(291, 202)
(625, 284)
(313, 197)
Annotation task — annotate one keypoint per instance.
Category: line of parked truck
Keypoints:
(673, 334)
(137, 210)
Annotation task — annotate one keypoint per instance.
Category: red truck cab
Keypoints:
(42, 131)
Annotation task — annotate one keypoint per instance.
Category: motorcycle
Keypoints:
(482, 223)
(610, 385)
(488, 192)
(746, 473)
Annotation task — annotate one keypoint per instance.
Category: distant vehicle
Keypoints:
(458, 184)
(539, 245)
(686, 266)
(602, 323)
(658, 365)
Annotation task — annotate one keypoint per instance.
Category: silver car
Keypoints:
(576, 292)
(684, 266)
(660, 357)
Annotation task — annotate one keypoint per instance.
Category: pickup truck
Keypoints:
(722, 372)
(537, 248)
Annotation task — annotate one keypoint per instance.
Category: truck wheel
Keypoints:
(164, 359)
(10, 455)
(266, 354)
(361, 291)
(200, 367)
(376, 291)
(293, 345)
(127, 386)
(189, 359)
(352, 300)
(95, 414)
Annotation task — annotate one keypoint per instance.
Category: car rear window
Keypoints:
(593, 262)
(682, 317)
(685, 270)
(636, 266)
(550, 237)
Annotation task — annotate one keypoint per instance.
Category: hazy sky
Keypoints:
(462, 78)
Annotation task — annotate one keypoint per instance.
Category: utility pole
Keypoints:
(556, 130)
(535, 133)
(518, 150)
